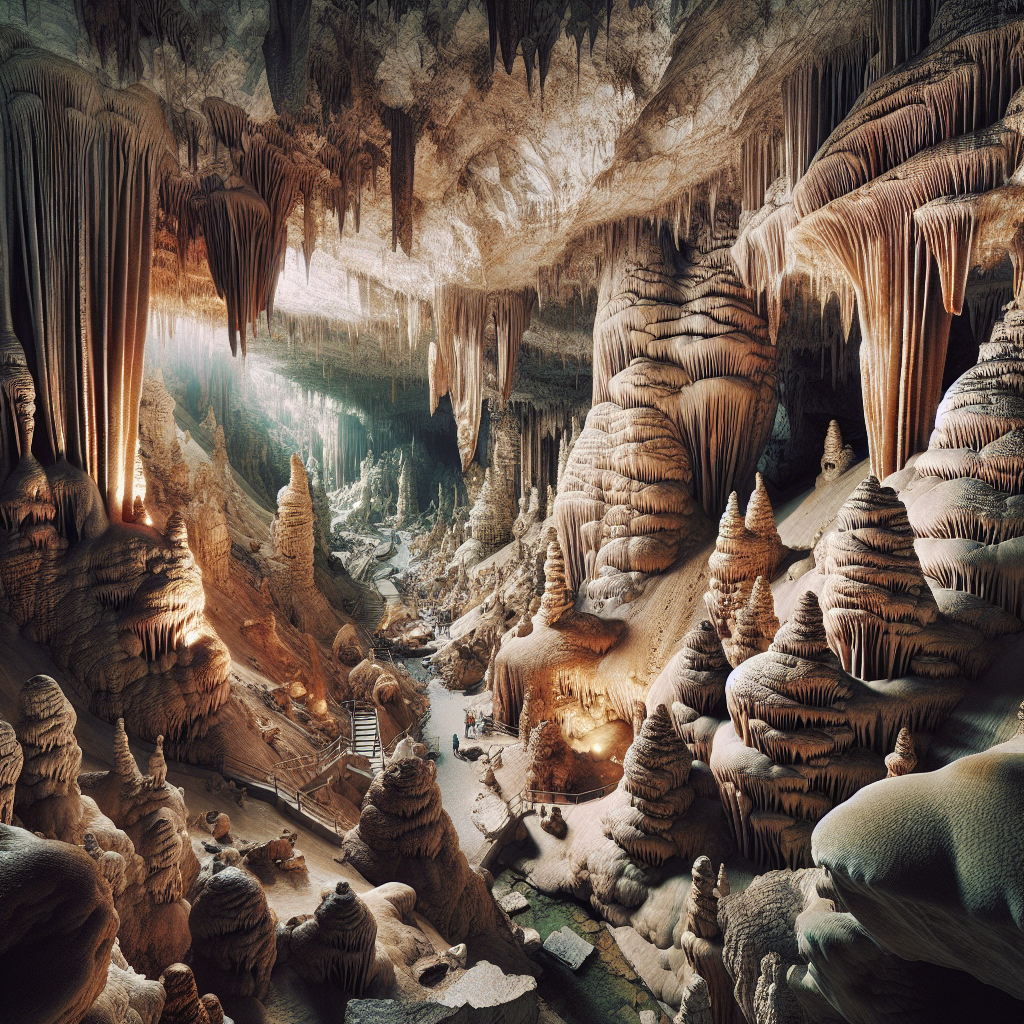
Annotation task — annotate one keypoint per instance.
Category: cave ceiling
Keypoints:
(624, 108)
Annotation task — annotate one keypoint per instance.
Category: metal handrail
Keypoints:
(539, 796)
(332, 752)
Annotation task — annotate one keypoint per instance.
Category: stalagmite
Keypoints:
(807, 735)
(902, 760)
(756, 624)
(880, 614)
(47, 798)
(702, 944)
(408, 506)
(741, 555)
(696, 1005)
(837, 457)
(183, 1004)
(337, 945)
(233, 944)
(11, 761)
(294, 586)
(964, 501)
(404, 834)
(696, 673)
(655, 773)
(557, 601)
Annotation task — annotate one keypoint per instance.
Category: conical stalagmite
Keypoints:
(655, 774)
(556, 602)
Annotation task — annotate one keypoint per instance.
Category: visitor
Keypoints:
(469, 719)
(472, 724)
(455, 743)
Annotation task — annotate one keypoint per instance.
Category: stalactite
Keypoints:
(512, 310)
(926, 129)
(286, 54)
(403, 161)
(458, 364)
(81, 198)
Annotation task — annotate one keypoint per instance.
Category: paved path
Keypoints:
(457, 778)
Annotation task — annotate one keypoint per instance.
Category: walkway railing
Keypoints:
(284, 790)
(532, 797)
(319, 761)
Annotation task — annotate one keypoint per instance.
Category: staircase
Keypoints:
(366, 733)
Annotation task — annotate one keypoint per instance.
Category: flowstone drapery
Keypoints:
(684, 396)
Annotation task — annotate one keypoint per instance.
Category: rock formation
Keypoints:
(152, 838)
(897, 856)
(47, 798)
(337, 945)
(405, 835)
(122, 607)
(746, 548)
(756, 624)
(655, 771)
(556, 601)
(964, 500)
(880, 613)
(55, 908)
(293, 586)
(805, 736)
(183, 1004)
(127, 997)
(903, 760)
(837, 457)
(695, 675)
(11, 760)
(233, 943)
(702, 945)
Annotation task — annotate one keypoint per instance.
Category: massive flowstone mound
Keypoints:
(680, 361)
(930, 864)
(121, 607)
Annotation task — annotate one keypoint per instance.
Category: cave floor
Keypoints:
(457, 778)
(605, 989)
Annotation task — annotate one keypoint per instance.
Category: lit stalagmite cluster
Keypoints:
(633, 390)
